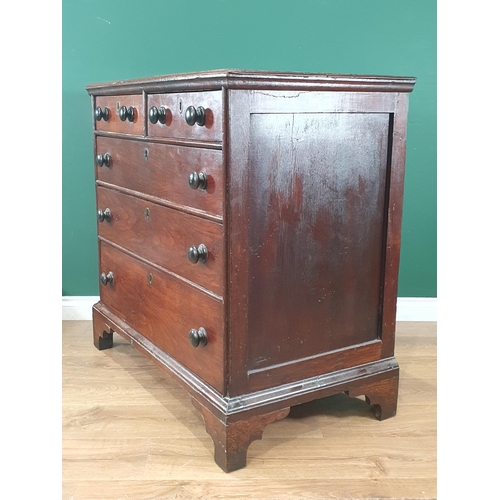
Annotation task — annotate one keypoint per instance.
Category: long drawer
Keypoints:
(164, 171)
(163, 235)
(164, 309)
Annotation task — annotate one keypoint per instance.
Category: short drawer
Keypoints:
(165, 310)
(164, 236)
(122, 114)
(163, 170)
(169, 114)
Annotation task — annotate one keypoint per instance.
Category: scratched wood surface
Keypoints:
(130, 432)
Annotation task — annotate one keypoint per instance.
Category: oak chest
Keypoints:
(249, 228)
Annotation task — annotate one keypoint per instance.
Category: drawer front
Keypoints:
(114, 123)
(163, 236)
(164, 310)
(163, 170)
(177, 105)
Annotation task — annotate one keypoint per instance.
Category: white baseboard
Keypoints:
(78, 308)
(416, 309)
(408, 308)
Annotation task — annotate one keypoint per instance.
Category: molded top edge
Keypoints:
(235, 78)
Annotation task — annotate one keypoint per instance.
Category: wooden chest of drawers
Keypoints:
(249, 229)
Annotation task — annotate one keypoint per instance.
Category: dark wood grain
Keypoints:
(176, 105)
(164, 309)
(394, 215)
(237, 221)
(114, 124)
(383, 395)
(163, 171)
(163, 236)
(309, 178)
(355, 381)
(233, 420)
(251, 80)
(102, 332)
(231, 440)
(302, 221)
(313, 366)
(316, 198)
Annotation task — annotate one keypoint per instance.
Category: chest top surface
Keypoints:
(251, 79)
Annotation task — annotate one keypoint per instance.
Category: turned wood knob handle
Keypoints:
(195, 115)
(126, 114)
(104, 216)
(198, 180)
(107, 278)
(198, 254)
(103, 160)
(101, 114)
(157, 115)
(198, 337)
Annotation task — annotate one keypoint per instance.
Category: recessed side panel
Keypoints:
(316, 194)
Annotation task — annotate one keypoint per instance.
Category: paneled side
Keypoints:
(316, 194)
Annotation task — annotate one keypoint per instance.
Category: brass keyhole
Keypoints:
(146, 213)
(150, 278)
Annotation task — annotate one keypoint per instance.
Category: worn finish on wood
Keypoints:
(233, 409)
(177, 105)
(120, 413)
(164, 236)
(315, 366)
(162, 170)
(383, 395)
(231, 440)
(115, 124)
(103, 339)
(290, 187)
(312, 277)
(102, 332)
(315, 216)
(394, 215)
(262, 80)
(164, 309)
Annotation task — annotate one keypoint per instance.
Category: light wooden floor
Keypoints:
(130, 432)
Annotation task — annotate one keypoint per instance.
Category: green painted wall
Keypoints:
(106, 40)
